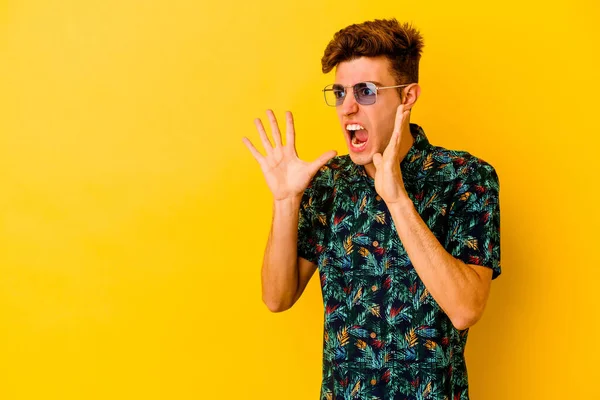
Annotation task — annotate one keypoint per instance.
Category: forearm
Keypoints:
(280, 263)
(457, 287)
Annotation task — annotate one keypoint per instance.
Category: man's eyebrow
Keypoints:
(368, 80)
(377, 83)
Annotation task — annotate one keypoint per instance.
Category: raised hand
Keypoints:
(287, 175)
(388, 176)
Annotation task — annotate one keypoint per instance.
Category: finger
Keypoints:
(274, 128)
(263, 136)
(322, 160)
(255, 153)
(377, 160)
(401, 114)
(392, 148)
(399, 124)
(290, 133)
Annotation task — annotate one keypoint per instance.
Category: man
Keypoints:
(405, 234)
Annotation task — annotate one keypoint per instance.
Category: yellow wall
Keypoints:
(133, 219)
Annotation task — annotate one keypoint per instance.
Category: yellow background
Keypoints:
(133, 219)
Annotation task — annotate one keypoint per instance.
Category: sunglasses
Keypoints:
(365, 93)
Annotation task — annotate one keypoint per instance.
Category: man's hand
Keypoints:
(287, 176)
(388, 176)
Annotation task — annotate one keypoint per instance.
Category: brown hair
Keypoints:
(400, 43)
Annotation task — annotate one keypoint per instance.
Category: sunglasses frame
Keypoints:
(371, 85)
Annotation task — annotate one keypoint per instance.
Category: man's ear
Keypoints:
(411, 95)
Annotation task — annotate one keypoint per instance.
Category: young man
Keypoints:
(405, 235)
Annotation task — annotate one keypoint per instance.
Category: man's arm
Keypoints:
(460, 289)
(284, 274)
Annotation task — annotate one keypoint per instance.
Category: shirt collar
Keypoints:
(410, 165)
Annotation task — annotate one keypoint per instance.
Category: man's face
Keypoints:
(376, 119)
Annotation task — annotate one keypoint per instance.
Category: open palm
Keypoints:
(286, 174)
(388, 175)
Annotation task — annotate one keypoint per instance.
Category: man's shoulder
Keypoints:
(461, 165)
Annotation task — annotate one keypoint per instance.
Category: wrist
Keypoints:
(402, 205)
(287, 203)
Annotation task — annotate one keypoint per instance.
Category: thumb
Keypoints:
(322, 160)
(377, 157)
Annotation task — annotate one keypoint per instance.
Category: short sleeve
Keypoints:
(474, 219)
(312, 218)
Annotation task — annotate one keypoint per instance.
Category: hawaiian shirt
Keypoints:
(385, 337)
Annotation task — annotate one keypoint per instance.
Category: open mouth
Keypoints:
(358, 136)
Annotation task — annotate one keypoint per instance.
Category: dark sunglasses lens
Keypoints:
(365, 92)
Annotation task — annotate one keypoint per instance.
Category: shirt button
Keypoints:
(378, 198)
(375, 243)
(374, 287)
(373, 381)
(373, 335)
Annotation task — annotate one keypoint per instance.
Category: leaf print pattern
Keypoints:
(385, 337)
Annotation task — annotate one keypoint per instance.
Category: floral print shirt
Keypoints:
(385, 337)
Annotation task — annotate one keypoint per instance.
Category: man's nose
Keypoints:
(349, 105)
